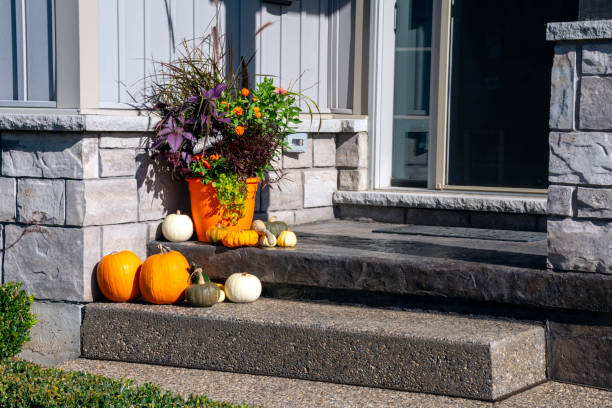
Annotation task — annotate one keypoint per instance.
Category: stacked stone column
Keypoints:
(580, 172)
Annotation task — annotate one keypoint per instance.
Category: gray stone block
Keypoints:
(353, 180)
(8, 199)
(324, 150)
(54, 264)
(451, 218)
(352, 150)
(580, 245)
(314, 214)
(319, 187)
(394, 215)
(515, 222)
(444, 201)
(579, 354)
(563, 88)
(580, 158)
(560, 200)
(597, 58)
(579, 30)
(442, 354)
(43, 123)
(116, 123)
(594, 203)
(41, 201)
(299, 160)
(131, 237)
(49, 155)
(101, 202)
(159, 193)
(154, 231)
(123, 140)
(117, 162)
(287, 194)
(595, 106)
(56, 337)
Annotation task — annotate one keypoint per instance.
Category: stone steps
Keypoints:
(347, 256)
(424, 352)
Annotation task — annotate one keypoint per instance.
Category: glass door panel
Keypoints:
(411, 117)
(500, 90)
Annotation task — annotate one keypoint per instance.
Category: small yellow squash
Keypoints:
(235, 239)
(286, 239)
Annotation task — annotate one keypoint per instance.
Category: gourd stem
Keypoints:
(178, 212)
(198, 274)
(163, 249)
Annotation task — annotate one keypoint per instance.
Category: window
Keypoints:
(27, 53)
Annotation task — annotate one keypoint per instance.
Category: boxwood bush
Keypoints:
(15, 319)
(23, 384)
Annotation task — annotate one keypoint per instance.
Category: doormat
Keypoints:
(468, 233)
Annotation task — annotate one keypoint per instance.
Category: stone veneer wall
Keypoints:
(580, 172)
(88, 182)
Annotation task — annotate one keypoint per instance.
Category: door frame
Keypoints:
(380, 98)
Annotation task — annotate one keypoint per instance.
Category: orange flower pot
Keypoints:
(206, 212)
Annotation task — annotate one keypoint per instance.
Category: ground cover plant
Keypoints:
(15, 319)
(23, 384)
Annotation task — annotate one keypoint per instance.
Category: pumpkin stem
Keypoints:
(163, 249)
(272, 219)
(178, 212)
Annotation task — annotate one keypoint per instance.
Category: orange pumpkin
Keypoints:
(117, 275)
(164, 277)
(234, 239)
(215, 234)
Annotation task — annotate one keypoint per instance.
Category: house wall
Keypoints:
(580, 172)
(308, 46)
(85, 186)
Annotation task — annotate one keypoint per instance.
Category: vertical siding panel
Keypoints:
(309, 49)
(270, 42)
(159, 31)
(108, 52)
(233, 30)
(204, 13)
(182, 24)
(131, 50)
(291, 31)
(344, 60)
(324, 46)
(40, 40)
(250, 21)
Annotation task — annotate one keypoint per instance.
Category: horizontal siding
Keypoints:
(294, 49)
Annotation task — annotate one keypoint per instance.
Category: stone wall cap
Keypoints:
(127, 123)
(579, 30)
(465, 201)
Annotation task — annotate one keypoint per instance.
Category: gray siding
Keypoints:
(296, 49)
(34, 79)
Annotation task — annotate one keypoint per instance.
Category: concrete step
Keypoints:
(424, 352)
(275, 392)
(348, 256)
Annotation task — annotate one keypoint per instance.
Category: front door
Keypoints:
(471, 91)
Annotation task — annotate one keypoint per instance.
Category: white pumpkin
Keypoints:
(242, 287)
(177, 227)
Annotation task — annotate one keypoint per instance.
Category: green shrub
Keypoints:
(15, 319)
(24, 384)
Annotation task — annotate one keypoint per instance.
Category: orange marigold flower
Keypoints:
(255, 108)
(206, 164)
(244, 92)
(238, 111)
(214, 157)
(226, 103)
(239, 130)
(258, 115)
(255, 98)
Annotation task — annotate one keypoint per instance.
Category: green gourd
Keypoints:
(202, 293)
(276, 227)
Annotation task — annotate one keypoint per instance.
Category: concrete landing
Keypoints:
(348, 255)
(274, 392)
(425, 352)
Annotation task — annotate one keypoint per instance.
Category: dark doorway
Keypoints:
(500, 91)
